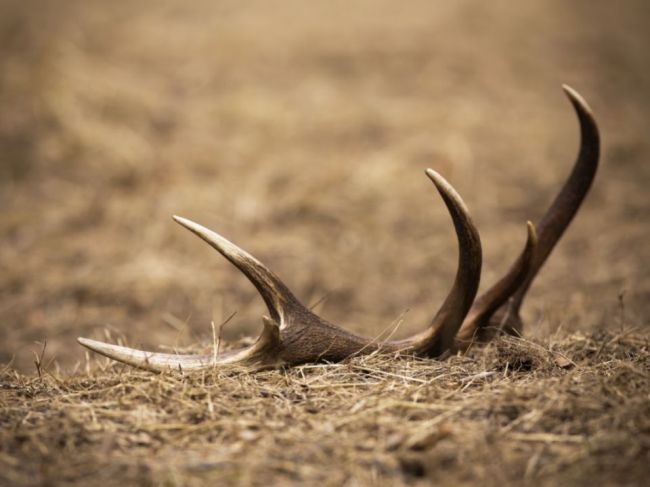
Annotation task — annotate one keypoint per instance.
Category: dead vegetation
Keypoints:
(567, 411)
(302, 134)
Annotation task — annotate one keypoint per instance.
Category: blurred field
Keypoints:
(301, 131)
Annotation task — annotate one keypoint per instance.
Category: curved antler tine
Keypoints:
(568, 201)
(155, 362)
(275, 293)
(491, 300)
(439, 337)
(263, 353)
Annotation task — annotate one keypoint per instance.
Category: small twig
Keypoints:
(390, 329)
(319, 301)
(216, 336)
(547, 438)
(621, 309)
(367, 369)
(8, 365)
(215, 343)
(38, 359)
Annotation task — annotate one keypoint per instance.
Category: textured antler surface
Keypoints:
(292, 334)
(498, 308)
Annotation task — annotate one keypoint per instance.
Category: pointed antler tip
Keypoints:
(431, 173)
(180, 220)
(94, 345)
(210, 236)
(571, 92)
(440, 182)
(567, 88)
(446, 190)
(267, 320)
(532, 231)
(531, 241)
(576, 98)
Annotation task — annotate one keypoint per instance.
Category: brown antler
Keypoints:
(498, 308)
(294, 335)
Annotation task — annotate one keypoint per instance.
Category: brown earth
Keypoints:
(301, 131)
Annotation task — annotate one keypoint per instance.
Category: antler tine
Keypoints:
(499, 306)
(454, 310)
(475, 327)
(263, 353)
(275, 293)
(255, 356)
(566, 204)
(439, 337)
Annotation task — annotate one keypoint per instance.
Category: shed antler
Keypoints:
(498, 308)
(292, 334)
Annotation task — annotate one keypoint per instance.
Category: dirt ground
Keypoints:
(301, 130)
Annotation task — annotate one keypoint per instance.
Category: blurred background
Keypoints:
(301, 130)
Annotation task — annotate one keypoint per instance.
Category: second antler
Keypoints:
(293, 335)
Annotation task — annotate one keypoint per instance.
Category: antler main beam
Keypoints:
(293, 335)
(498, 308)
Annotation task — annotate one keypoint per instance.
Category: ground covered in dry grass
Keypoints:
(572, 411)
(301, 130)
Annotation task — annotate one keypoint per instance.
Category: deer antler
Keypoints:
(498, 308)
(293, 334)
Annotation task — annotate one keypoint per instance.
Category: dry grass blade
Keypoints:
(496, 416)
